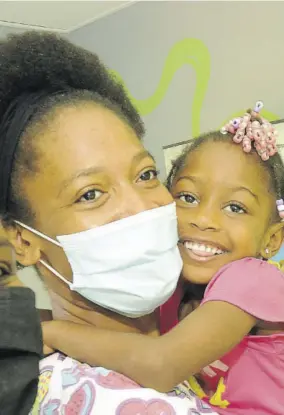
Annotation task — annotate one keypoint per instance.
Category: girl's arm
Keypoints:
(160, 363)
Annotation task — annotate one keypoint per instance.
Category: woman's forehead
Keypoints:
(87, 137)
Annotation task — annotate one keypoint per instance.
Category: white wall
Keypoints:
(30, 278)
(245, 44)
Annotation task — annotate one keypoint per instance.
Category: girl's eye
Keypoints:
(234, 208)
(90, 196)
(4, 272)
(148, 175)
(188, 198)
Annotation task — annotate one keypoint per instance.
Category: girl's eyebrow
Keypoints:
(246, 189)
(233, 189)
(191, 178)
(4, 243)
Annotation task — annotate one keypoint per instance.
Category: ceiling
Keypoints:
(63, 16)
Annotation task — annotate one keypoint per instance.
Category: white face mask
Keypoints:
(130, 266)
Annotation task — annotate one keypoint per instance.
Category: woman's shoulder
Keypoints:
(66, 384)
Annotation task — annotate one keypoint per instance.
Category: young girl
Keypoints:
(228, 187)
(20, 340)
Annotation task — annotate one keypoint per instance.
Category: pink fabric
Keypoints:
(253, 372)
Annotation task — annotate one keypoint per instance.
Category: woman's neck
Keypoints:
(63, 309)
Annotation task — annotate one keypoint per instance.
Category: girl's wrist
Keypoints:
(51, 333)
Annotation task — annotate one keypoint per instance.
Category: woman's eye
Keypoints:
(148, 175)
(90, 195)
(187, 198)
(234, 208)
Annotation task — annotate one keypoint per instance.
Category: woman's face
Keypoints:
(92, 170)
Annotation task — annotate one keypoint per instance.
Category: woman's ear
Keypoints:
(273, 240)
(25, 244)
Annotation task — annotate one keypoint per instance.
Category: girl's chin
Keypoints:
(196, 275)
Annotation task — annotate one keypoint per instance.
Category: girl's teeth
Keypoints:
(203, 248)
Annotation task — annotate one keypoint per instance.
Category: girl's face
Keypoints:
(92, 170)
(224, 209)
(7, 262)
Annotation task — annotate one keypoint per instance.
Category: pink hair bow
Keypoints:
(253, 130)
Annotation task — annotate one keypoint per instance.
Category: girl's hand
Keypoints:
(10, 281)
(47, 350)
(188, 308)
(47, 333)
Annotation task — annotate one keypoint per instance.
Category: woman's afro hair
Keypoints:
(36, 61)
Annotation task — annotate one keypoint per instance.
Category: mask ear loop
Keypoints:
(53, 241)
(42, 235)
(56, 273)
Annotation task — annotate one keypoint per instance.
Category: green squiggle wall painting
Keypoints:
(185, 52)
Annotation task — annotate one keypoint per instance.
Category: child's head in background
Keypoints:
(8, 269)
(226, 197)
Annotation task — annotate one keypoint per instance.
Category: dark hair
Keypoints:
(41, 71)
(274, 166)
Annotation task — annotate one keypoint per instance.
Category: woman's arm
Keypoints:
(160, 363)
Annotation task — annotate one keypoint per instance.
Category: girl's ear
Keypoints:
(273, 240)
(25, 244)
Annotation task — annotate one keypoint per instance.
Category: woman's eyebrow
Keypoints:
(142, 155)
(80, 173)
(95, 170)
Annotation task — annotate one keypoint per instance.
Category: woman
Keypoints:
(20, 340)
(82, 201)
